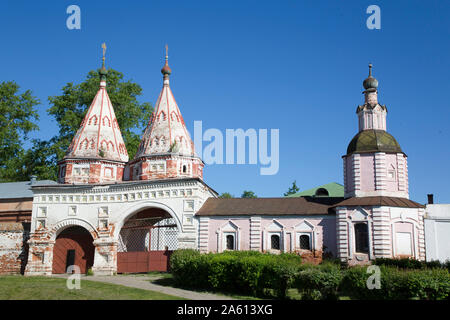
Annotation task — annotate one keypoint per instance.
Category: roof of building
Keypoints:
(99, 134)
(373, 141)
(22, 189)
(380, 201)
(166, 131)
(333, 189)
(268, 206)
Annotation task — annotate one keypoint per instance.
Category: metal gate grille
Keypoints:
(145, 244)
(146, 235)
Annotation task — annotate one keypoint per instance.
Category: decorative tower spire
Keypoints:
(166, 71)
(97, 152)
(371, 85)
(102, 71)
(166, 149)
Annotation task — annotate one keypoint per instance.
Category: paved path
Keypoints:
(145, 282)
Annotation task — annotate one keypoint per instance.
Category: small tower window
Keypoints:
(322, 192)
(275, 242)
(184, 169)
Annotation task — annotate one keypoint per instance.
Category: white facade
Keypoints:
(437, 232)
(103, 210)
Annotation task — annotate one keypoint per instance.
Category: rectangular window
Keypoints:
(361, 238)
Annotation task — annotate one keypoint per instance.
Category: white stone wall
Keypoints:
(103, 209)
(437, 232)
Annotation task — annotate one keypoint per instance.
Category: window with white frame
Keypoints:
(275, 242)
(229, 239)
(361, 237)
(304, 241)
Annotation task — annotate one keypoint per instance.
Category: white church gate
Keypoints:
(146, 241)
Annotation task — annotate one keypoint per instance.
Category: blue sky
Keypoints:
(296, 66)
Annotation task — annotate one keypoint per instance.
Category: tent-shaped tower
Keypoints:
(97, 153)
(166, 149)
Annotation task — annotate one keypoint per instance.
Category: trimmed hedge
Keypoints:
(246, 272)
(262, 274)
(406, 263)
(397, 284)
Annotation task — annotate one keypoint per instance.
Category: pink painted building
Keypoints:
(374, 219)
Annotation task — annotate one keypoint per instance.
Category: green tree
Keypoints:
(248, 194)
(292, 190)
(70, 107)
(226, 195)
(17, 120)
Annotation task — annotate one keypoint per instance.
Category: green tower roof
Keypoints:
(373, 141)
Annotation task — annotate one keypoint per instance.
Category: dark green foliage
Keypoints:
(244, 272)
(226, 195)
(248, 194)
(263, 274)
(398, 284)
(292, 190)
(17, 119)
(406, 263)
(319, 282)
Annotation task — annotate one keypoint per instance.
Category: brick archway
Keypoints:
(74, 245)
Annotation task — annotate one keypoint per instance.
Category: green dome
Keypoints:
(370, 83)
(373, 141)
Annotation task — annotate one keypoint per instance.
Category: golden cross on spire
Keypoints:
(104, 51)
(167, 50)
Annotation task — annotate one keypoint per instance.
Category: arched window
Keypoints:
(361, 238)
(304, 242)
(106, 121)
(162, 116)
(322, 192)
(230, 242)
(275, 242)
(93, 120)
(184, 169)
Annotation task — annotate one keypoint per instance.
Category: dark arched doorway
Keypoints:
(73, 246)
(146, 242)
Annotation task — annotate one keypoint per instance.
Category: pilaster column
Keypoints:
(105, 257)
(380, 171)
(382, 242)
(40, 257)
(255, 233)
(356, 173)
(421, 234)
(203, 234)
(342, 233)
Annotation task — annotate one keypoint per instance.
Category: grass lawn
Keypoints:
(44, 288)
(166, 279)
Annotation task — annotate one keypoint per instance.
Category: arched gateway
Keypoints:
(133, 225)
(146, 241)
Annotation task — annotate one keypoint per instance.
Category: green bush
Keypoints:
(319, 282)
(397, 284)
(407, 263)
(245, 272)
